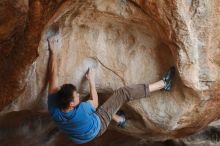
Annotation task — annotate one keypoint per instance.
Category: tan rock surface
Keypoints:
(127, 41)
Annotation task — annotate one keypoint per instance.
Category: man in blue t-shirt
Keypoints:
(83, 121)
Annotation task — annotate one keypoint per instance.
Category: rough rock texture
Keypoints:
(27, 128)
(127, 41)
(22, 22)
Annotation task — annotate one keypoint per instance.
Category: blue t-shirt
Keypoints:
(81, 123)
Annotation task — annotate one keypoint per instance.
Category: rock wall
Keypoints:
(127, 41)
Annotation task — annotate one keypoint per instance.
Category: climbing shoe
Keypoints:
(122, 123)
(167, 78)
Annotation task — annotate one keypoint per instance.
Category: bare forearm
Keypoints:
(93, 92)
(53, 43)
(52, 74)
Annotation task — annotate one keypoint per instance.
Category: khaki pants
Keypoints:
(119, 97)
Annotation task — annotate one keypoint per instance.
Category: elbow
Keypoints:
(96, 104)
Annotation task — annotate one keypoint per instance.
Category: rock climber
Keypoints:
(84, 121)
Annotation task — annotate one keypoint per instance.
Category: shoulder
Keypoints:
(51, 102)
(87, 105)
(52, 97)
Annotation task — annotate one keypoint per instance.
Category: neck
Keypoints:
(67, 109)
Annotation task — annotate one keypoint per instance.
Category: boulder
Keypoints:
(127, 42)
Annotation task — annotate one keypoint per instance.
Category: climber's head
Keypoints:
(67, 96)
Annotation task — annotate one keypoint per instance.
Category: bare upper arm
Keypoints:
(93, 103)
